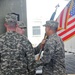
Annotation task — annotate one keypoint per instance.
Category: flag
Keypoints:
(54, 13)
(66, 21)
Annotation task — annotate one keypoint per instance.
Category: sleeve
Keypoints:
(48, 53)
(30, 58)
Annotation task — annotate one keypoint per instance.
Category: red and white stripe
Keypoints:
(67, 23)
(70, 31)
(62, 18)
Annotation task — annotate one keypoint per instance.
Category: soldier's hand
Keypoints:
(43, 41)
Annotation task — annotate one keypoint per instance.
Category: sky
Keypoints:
(43, 9)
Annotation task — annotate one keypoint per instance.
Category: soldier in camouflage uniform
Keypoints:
(21, 27)
(16, 52)
(53, 60)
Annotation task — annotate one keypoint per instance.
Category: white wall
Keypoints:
(70, 44)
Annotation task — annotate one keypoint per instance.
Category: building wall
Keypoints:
(70, 44)
(12, 6)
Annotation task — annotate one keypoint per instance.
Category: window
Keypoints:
(36, 30)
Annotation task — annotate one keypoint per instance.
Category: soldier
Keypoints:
(16, 52)
(53, 60)
(20, 28)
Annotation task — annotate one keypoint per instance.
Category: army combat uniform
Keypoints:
(53, 60)
(16, 55)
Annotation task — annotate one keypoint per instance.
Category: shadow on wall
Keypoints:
(10, 6)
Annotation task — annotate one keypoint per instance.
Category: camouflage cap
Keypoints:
(10, 17)
(51, 23)
(21, 24)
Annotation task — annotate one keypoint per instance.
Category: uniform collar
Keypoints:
(55, 34)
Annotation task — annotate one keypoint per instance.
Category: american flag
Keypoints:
(66, 21)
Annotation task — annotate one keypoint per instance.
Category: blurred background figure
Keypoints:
(20, 28)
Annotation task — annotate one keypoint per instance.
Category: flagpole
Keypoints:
(57, 7)
(54, 13)
(71, 5)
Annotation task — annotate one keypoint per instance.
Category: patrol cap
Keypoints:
(51, 23)
(21, 24)
(10, 17)
(11, 20)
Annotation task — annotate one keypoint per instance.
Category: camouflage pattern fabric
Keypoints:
(17, 56)
(53, 60)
